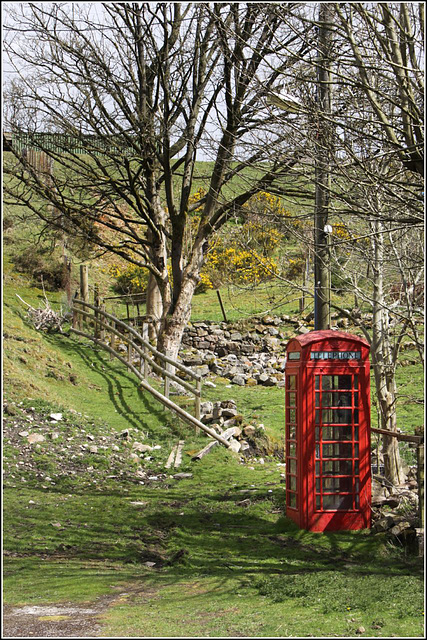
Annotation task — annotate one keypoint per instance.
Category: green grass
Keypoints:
(228, 562)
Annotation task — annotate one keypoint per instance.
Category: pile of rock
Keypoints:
(252, 357)
(395, 509)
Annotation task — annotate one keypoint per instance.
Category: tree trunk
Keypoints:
(383, 365)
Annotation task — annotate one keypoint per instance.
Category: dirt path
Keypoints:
(65, 620)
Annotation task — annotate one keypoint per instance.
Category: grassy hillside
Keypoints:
(92, 524)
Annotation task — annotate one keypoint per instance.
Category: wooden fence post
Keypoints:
(96, 303)
(84, 288)
(113, 339)
(420, 478)
(144, 364)
(102, 330)
(197, 402)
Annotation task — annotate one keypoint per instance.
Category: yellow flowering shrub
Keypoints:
(129, 278)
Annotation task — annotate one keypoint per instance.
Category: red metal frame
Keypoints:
(327, 432)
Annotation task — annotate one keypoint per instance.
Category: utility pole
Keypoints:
(323, 145)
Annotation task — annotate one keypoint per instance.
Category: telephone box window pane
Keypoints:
(317, 468)
(337, 468)
(292, 464)
(356, 399)
(337, 502)
(336, 416)
(317, 448)
(291, 399)
(318, 485)
(356, 433)
(327, 383)
(337, 433)
(317, 416)
(344, 382)
(317, 382)
(318, 502)
(334, 485)
(292, 483)
(356, 416)
(336, 399)
(292, 500)
(317, 434)
(337, 450)
(292, 382)
(292, 449)
(292, 415)
(317, 399)
(356, 450)
(356, 501)
(356, 485)
(292, 431)
(356, 467)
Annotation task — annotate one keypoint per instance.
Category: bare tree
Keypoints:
(135, 92)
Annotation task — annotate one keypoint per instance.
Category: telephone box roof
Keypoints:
(327, 334)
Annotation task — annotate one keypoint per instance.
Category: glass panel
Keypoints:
(343, 382)
(356, 450)
(332, 485)
(317, 502)
(292, 465)
(292, 431)
(292, 382)
(317, 447)
(356, 399)
(336, 416)
(317, 382)
(356, 501)
(337, 502)
(317, 434)
(336, 399)
(318, 485)
(292, 500)
(292, 415)
(337, 467)
(337, 450)
(294, 355)
(292, 483)
(356, 467)
(317, 468)
(356, 433)
(356, 416)
(292, 399)
(317, 404)
(317, 416)
(327, 383)
(292, 449)
(356, 485)
(337, 433)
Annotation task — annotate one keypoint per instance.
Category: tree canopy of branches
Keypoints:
(144, 90)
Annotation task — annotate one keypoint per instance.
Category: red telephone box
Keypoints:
(327, 421)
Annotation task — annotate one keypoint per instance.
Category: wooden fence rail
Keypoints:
(97, 320)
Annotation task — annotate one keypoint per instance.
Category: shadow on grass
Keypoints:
(117, 378)
(188, 535)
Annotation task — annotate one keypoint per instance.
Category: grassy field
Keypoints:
(86, 523)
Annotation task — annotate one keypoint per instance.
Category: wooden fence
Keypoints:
(93, 322)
